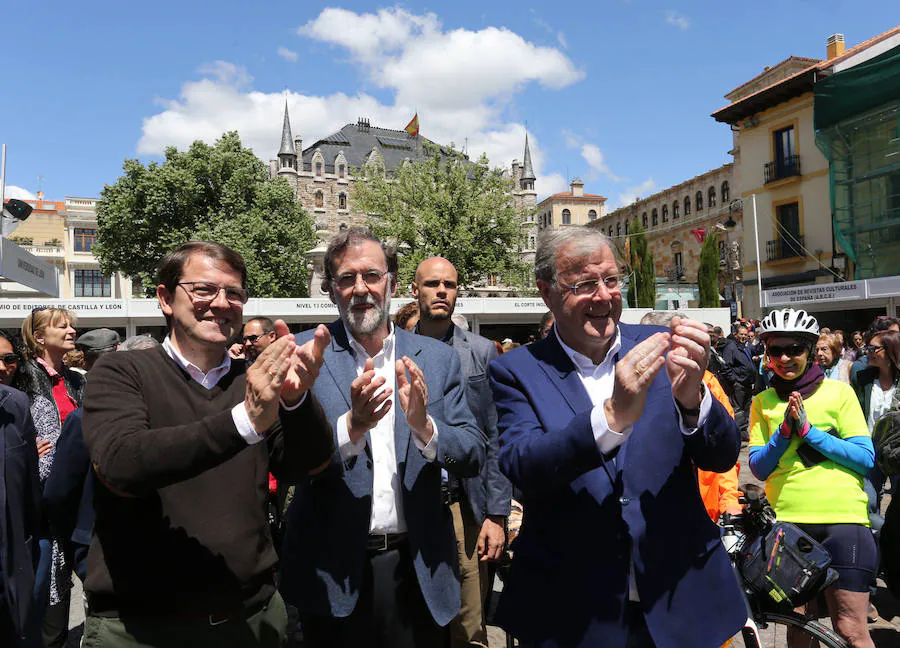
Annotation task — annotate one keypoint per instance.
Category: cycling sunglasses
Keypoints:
(792, 350)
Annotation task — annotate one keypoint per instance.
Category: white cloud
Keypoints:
(646, 188)
(13, 191)
(678, 20)
(369, 35)
(560, 35)
(460, 81)
(227, 73)
(596, 160)
(441, 70)
(287, 54)
(550, 184)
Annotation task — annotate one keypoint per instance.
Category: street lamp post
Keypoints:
(727, 227)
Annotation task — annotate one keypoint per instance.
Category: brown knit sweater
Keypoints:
(194, 538)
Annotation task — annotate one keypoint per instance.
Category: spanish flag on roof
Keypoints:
(412, 128)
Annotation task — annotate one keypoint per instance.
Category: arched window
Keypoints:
(340, 170)
(619, 229)
(566, 217)
(320, 199)
(318, 168)
(644, 220)
(687, 205)
(342, 201)
(725, 194)
(665, 213)
(654, 217)
(592, 215)
(675, 206)
(711, 197)
(626, 228)
(698, 201)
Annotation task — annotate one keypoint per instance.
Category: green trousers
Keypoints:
(266, 628)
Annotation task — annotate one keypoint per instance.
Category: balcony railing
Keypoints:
(675, 273)
(51, 251)
(785, 248)
(786, 167)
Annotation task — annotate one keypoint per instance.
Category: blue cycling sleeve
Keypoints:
(763, 459)
(856, 453)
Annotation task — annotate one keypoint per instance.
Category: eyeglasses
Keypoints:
(591, 286)
(203, 291)
(792, 350)
(250, 339)
(872, 348)
(347, 280)
(9, 358)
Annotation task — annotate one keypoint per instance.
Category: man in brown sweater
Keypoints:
(182, 439)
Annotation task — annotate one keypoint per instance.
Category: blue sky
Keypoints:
(618, 92)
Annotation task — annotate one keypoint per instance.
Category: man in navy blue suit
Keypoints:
(20, 497)
(602, 426)
(369, 556)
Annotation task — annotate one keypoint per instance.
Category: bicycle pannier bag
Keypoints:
(786, 565)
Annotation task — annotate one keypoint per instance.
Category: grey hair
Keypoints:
(583, 241)
(661, 318)
(138, 343)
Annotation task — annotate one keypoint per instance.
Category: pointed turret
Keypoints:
(287, 154)
(287, 140)
(528, 178)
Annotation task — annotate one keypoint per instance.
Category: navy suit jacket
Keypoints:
(328, 521)
(489, 492)
(20, 501)
(588, 515)
(69, 490)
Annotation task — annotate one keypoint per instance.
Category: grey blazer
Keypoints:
(490, 492)
(328, 521)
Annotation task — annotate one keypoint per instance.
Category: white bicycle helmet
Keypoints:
(788, 321)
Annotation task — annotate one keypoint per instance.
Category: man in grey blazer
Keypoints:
(369, 556)
(480, 504)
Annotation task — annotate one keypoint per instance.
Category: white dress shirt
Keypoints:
(209, 380)
(599, 380)
(387, 497)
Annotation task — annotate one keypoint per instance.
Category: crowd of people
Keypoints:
(371, 473)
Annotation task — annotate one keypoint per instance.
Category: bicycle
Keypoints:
(768, 625)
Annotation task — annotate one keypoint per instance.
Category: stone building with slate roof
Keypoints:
(322, 178)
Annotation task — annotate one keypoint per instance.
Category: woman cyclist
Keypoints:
(810, 443)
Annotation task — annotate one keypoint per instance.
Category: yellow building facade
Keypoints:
(63, 233)
(573, 207)
(783, 177)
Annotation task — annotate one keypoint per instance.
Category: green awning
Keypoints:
(857, 89)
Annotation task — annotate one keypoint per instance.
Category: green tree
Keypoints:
(221, 193)
(447, 206)
(640, 259)
(708, 274)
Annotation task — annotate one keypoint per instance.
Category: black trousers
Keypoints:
(391, 611)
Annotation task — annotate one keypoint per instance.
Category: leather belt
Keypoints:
(379, 542)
